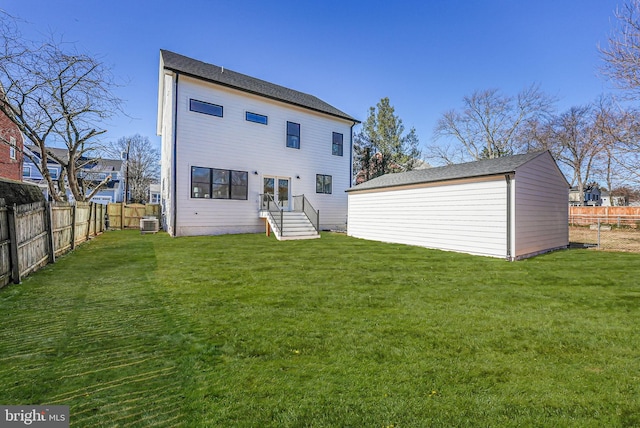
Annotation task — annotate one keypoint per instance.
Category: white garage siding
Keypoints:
(541, 208)
(471, 208)
(466, 217)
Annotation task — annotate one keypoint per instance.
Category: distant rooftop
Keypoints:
(223, 76)
(102, 163)
(486, 167)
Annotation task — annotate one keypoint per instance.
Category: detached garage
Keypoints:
(511, 207)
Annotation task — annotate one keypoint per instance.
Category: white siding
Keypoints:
(466, 217)
(166, 131)
(541, 207)
(233, 143)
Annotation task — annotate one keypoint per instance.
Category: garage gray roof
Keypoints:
(223, 76)
(482, 168)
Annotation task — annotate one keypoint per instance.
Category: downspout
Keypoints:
(509, 231)
(346, 221)
(175, 154)
(351, 155)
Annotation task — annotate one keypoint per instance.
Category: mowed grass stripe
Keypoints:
(113, 365)
(139, 377)
(141, 415)
(111, 341)
(336, 332)
(123, 399)
(130, 410)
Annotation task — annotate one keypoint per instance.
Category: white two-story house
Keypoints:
(238, 151)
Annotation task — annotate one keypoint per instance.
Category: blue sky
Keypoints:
(424, 55)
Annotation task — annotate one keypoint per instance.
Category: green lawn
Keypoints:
(148, 330)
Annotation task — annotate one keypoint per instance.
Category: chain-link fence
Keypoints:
(612, 233)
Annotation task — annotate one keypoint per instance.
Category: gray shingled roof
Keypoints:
(481, 168)
(213, 73)
(60, 153)
(104, 164)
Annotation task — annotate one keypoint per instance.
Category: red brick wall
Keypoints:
(10, 168)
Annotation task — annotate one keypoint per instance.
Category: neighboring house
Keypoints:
(154, 194)
(228, 140)
(619, 201)
(31, 172)
(606, 199)
(591, 196)
(11, 145)
(98, 171)
(94, 171)
(491, 207)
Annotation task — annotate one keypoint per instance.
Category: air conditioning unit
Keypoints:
(149, 225)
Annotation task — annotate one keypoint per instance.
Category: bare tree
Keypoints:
(625, 195)
(142, 165)
(573, 139)
(622, 55)
(622, 65)
(58, 97)
(619, 131)
(488, 125)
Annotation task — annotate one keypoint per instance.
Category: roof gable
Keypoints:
(222, 76)
(482, 168)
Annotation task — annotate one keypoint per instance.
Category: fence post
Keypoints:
(13, 238)
(73, 226)
(598, 233)
(49, 225)
(103, 214)
(88, 234)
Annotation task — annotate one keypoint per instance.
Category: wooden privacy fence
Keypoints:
(33, 235)
(619, 216)
(132, 213)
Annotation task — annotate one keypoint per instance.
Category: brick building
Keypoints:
(11, 144)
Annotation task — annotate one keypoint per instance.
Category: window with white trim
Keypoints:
(12, 147)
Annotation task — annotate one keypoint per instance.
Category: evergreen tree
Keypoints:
(381, 148)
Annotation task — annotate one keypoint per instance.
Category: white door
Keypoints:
(279, 188)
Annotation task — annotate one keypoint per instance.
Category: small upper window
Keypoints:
(26, 171)
(293, 135)
(257, 118)
(53, 172)
(12, 147)
(205, 108)
(336, 145)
